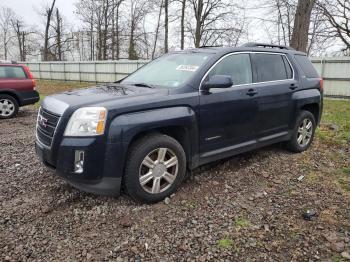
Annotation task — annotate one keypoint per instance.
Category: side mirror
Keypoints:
(218, 81)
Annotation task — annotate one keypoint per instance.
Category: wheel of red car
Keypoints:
(8, 106)
(155, 168)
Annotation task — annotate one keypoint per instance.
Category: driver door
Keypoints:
(228, 116)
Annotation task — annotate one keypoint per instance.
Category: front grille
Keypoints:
(46, 126)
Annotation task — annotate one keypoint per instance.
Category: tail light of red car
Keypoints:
(30, 76)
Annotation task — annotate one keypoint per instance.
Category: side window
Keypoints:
(271, 67)
(237, 66)
(12, 72)
(306, 66)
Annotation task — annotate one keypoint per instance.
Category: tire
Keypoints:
(303, 135)
(8, 106)
(160, 176)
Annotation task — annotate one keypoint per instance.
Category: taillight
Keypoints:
(30, 76)
(321, 84)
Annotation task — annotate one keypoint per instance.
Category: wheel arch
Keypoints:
(177, 122)
(313, 108)
(13, 94)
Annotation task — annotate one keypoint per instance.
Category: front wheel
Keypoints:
(155, 168)
(8, 107)
(303, 133)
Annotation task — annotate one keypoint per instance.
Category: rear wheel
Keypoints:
(8, 107)
(304, 132)
(155, 168)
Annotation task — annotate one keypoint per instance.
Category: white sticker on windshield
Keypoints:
(190, 68)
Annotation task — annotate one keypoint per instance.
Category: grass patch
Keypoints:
(338, 258)
(242, 222)
(335, 124)
(344, 179)
(226, 243)
(47, 87)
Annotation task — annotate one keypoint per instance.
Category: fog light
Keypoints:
(79, 162)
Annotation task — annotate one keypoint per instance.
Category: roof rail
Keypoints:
(210, 46)
(267, 46)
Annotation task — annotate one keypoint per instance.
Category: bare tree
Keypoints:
(48, 16)
(166, 26)
(183, 9)
(157, 30)
(6, 16)
(300, 36)
(337, 13)
(138, 11)
(21, 35)
(58, 30)
(214, 19)
(116, 28)
(86, 11)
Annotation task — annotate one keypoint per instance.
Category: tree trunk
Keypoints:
(92, 39)
(198, 33)
(166, 26)
(105, 30)
(59, 35)
(302, 19)
(24, 51)
(157, 30)
(117, 33)
(47, 29)
(113, 30)
(183, 9)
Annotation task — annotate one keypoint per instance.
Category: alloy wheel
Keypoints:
(158, 170)
(7, 107)
(305, 131)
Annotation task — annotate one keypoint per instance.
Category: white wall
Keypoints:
(335, 71)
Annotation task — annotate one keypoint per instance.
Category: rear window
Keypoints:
(12, 72)
(271, 67)
(306, 66)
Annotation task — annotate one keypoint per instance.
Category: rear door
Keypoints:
(275, 82)
(13, 77)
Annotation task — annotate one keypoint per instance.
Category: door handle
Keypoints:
(251, 92)
(293, 87)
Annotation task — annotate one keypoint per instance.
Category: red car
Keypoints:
(17, 88)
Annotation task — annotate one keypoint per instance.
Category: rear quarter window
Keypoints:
(306, 66)
(12, 72)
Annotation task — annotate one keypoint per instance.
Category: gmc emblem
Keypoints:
(42, 121)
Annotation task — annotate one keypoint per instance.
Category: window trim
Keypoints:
(249, 52)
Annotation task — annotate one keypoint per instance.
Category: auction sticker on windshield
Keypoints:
(190, 68)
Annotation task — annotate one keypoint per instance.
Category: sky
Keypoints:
(28, 9)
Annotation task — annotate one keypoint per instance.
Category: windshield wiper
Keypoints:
(142, 85)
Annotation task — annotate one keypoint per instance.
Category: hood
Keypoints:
(98, 96)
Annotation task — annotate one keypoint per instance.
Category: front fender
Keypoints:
(124, 128)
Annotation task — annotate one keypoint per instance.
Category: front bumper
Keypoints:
(102, 173)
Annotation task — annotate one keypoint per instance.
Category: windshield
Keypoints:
(169, 71)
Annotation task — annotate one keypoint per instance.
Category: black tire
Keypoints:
(135, 167)
(294, 145)
(14, 106)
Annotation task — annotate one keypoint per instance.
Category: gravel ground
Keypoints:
(247, 208)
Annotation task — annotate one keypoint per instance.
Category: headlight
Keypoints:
(87, 121)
